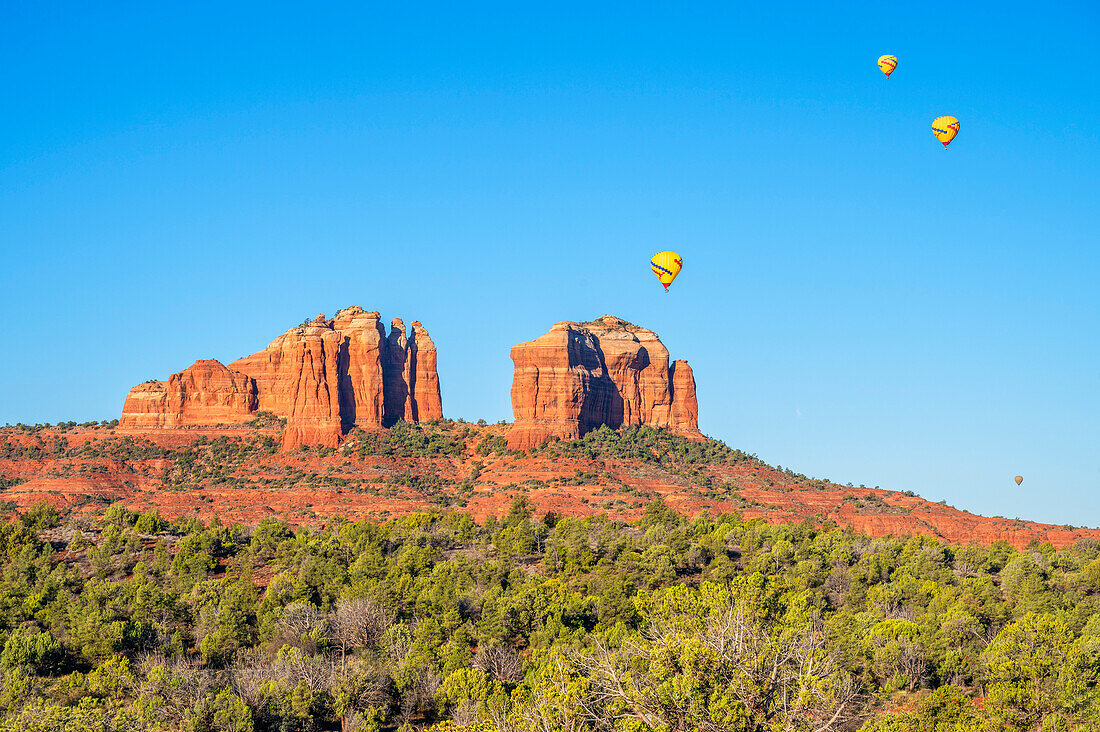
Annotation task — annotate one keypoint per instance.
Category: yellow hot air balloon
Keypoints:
(666, 265)
(887, 63)
(945, 129)
(1019, 479)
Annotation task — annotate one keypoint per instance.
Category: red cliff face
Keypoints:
(297, 378)
(579, 376)
(205, 393)
(428, 404)
(362, 349)
(685, 407)
(411, 384)
(324, 377)
(397, 370)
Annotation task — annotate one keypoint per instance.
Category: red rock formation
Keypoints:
(297, 378)
(637, 363)
(579, 376)
(361, 355)
(427, 404)
(205, 393)
(324, 377)
(397, 371)
(146, 406)
(685, 407)
(548, 393)
(409, 375)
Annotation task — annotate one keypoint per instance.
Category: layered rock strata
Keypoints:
(428, 403)
(579, 376)
(202, 393)
(323, 377)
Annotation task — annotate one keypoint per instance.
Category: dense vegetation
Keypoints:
(537, 623)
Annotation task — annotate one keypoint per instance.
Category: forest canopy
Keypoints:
(537, 623)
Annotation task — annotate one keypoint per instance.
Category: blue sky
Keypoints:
(184, 181)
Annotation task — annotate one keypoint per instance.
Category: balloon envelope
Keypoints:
(1019, 479)
(945, 129)
(666, 265)
(887, 63)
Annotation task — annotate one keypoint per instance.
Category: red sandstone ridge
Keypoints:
(323, 377)
(84, 469)
(579, 376)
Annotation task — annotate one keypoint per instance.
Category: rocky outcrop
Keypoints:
(579, 376)
(297, 377)
(362, 350)
(205, 393)
(685, 407)
(411, 383)
(398, 370)
(323, 377)
(427, 402)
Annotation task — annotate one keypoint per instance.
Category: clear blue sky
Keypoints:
(182, 181)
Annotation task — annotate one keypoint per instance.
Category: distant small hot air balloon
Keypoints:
(945, 129)
(1019, 479)
(887, 63)
(666, 265)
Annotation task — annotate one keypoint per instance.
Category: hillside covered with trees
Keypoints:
(239, 474)
(537, 622)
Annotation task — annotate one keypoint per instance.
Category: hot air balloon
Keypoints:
(887, 63)
(1019, 479)
(945, 129)
(666, 265)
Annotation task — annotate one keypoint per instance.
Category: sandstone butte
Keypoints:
(323, 377)
(579, 376)
(326, 377)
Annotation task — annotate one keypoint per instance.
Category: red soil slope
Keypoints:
(184, 472)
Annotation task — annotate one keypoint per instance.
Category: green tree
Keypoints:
(1037, 671)
(32, 648)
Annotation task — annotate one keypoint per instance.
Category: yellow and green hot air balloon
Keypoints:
(666, 265)
(945, 129)
(1019, 479)
(887, 63)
